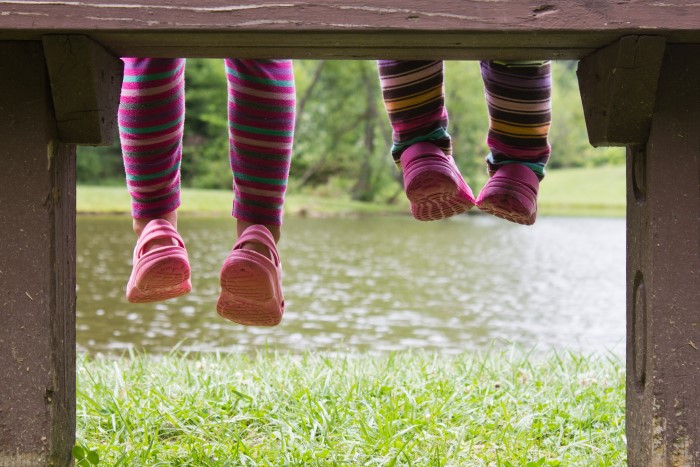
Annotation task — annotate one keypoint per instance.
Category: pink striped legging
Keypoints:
(261, 115)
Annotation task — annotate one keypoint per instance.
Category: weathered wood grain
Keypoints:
(85, 84)
(451, 29)
(663, 274)
(618, 90)
(37, 268)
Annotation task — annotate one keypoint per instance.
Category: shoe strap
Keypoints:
(161, 229)
(258, 234)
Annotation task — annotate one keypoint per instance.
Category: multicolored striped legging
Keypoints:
(518, 97)
(261, 114)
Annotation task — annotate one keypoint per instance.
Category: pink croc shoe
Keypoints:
(160, 273)
(511, 194)
(251, 283)
(434, 186)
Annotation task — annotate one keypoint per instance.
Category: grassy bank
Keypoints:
(595, 191)
(115, 200)
(598, 191)
(357, 410)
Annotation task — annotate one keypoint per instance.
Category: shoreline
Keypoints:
(559, 211)
(581, 192)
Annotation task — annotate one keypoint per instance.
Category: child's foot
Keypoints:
(161, 268)
(434, 186)
(251, 281)
(511, 194)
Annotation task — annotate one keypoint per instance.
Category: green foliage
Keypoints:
(100, 165)
(205, 160)
(342, 132)
(343, 136)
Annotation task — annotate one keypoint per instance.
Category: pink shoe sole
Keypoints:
(251, 286)
(162, 273)
(434, 186)
(161, 279)
(511, 194)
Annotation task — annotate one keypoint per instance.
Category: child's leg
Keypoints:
(151, 115)
(518, 96)
(414, 98)
(261, 113)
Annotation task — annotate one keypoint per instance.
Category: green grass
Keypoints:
(397, 410)
(116, 200)
(112, 200)
(597, 191)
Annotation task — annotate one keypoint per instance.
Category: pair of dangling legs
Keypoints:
(261, 116)
(518, 97)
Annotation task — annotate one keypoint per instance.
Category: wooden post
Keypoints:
(37, 267)
(634, 95)
(663, 273)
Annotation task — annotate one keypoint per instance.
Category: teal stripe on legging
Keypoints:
(151, 129)
(259, 79)
(161, 174)
(152, 76)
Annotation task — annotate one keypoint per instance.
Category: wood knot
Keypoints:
(544, 10)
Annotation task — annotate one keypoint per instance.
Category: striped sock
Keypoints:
(261, 112)
(151, 117)
(414, 98)
(261, 122)
(518, 97)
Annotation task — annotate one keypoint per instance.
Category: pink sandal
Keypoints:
(511, 194)
(251, 283)
(160, 273)
(434, 186)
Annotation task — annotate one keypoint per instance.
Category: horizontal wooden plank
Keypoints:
(459, 29)
(475, 15)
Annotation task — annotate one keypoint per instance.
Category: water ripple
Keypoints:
(376, 285)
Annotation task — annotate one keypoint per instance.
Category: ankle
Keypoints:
(258, 248)
(275, 230)
(139, 224)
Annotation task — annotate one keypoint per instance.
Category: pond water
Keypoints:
(375, 285)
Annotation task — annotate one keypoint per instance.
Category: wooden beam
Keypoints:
(85, 85)
(37, 268)
(618, 90)
(351, 29)
(663, 273)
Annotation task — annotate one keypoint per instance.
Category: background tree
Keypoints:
(343, 136)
